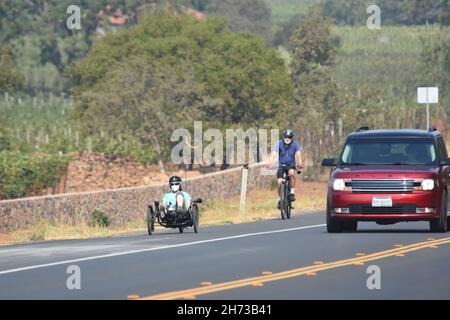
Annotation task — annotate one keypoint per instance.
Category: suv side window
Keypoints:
(441, 149)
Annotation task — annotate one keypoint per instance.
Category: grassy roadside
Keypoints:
(261, 205)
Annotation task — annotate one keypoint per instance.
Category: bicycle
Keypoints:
(285, 192)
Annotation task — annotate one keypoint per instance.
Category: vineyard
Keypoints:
(388, 59)
(38, 138)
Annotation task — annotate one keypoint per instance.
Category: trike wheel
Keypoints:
(195, 219)
(150, 221)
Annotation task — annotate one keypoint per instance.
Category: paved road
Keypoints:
(271, 259)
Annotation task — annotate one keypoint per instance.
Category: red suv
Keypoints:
(389, 176)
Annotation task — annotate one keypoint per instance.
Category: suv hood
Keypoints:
(402, 171)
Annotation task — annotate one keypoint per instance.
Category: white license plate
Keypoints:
(382, 203)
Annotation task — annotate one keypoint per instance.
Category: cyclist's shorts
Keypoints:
(280, 172)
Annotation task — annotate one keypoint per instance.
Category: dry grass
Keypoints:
(261, 205)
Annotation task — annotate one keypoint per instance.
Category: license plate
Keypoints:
(382, 203)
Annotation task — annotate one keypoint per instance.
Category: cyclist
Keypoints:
(177, 199)
(289, 153)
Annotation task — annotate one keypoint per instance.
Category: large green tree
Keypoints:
(236, 79)
(317, 98)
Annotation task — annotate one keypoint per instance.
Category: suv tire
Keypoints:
(333, 226)
(351, 226)
(440, 225)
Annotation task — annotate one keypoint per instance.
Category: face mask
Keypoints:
(287, 141)
(175, 188)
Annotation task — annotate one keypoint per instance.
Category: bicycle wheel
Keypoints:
(283, 202)
(288, 203)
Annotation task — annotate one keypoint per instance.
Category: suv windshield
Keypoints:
(389, 151)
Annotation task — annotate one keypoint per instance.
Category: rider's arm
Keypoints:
(298, 157)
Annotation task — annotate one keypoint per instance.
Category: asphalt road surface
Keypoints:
(272, 259)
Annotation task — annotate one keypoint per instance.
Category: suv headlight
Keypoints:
(340, 185)
(427, 184)
(424, 184)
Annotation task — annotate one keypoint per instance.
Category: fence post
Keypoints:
(243, 191)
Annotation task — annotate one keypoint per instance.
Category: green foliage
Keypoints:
(436, 62)
(388, 60)
(165, 71)
(317, 99)
(100, 219)
(10, 78)
(20, 173)
(313, 44)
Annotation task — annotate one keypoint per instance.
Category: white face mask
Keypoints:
(175, 188)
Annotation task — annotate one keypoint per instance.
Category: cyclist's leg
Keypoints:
(181, 202)
(292, 183)
(279, 182)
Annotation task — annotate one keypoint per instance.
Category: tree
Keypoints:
(316, 96)
(10, 79)
(313, 44)
(148, 101)
(5, 142)
(235, 78)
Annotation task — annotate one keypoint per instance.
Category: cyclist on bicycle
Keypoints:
(177, 198)
(289, 153)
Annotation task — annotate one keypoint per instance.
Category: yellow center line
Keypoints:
(308, 270)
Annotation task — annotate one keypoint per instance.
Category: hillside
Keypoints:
(282, 10)
(386, 59)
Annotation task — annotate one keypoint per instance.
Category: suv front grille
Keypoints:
(381, 185)
(399, 209)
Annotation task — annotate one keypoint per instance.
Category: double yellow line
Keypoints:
(309, 270)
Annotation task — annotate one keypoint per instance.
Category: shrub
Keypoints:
(100, 219)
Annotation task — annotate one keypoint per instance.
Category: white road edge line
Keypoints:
(154, 249)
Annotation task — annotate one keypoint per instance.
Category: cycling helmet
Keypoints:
(289, 133)
(175, 184)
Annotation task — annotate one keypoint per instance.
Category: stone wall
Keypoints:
(123, 205)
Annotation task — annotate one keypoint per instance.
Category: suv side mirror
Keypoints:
(329, 162)
(446, 162)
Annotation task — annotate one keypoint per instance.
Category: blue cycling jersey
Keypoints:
(286, 152)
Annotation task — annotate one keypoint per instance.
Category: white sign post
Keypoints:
(428, 96)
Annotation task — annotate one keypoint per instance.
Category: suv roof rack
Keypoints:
(365, 128)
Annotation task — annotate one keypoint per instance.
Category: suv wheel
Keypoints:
(440, 225)
(351, 226)
(333, 226)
